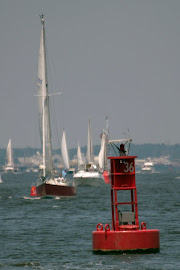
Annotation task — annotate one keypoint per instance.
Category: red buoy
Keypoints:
(33, 191)
(106, 177)
(126, 234)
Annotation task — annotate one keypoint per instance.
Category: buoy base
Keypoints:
(135, 241)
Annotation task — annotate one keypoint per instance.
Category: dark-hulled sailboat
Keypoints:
(48, 184)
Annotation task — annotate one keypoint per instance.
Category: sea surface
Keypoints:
(51, 234)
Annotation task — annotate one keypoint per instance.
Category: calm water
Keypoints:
(57, 233)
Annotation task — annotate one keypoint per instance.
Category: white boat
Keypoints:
(9, 167)
(49, 183)
(88, 178)
(148, 166)
(1, 179)
(88, 175)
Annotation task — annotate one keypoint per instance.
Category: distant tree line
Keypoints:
(141, 150)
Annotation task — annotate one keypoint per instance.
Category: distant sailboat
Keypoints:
(102, 158)
(50, 184)
(89, 176)
(64, 151)
(65, 154)
(102, 154)
(90, 154)
(79, 157)
(9, 167)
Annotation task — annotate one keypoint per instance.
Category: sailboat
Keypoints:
(90, 154)
(102, 154)
(65, 154)
(9, 167)
(89, 175)
(80, 162)
(64, 151)
(49, 183)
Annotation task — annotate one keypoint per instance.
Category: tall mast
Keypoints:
(43, 100)
(44, 121)
(90, 157)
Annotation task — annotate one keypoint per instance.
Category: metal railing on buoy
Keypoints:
(33, 191)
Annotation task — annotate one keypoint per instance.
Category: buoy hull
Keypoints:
(137, 241)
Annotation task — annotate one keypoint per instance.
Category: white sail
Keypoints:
(64, 151)
(9, 156)
(102, 153)
(79, 156)
(43, 106)
(90, 155)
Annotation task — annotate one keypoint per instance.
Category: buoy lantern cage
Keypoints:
(126, 235)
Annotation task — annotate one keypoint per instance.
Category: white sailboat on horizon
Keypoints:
(102, 158)
(80, 162)
(90, 152)
(89, 175)
(65, 155)
(64, 151)
(102, 154)
(9, 167)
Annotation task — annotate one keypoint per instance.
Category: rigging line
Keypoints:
(112, 145)
(115, 146)
(54, 118)
(62, 112)
(61, 100)
(52, 72)
(35, 113)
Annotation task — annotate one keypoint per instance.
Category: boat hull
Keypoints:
(94, 182)
(55, 190)
(147, 170)
(8, 169)
(88, 180)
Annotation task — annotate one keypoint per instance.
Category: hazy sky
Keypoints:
(115, 58)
